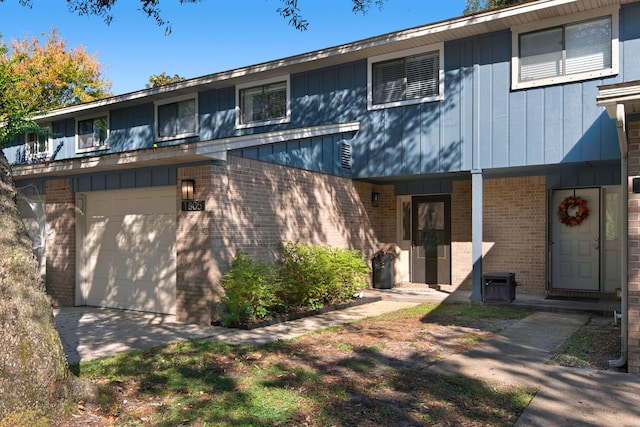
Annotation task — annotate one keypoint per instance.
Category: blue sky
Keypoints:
(213, 35)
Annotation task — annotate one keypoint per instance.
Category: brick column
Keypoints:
(633, 268)
(61, 242)
(197, 284)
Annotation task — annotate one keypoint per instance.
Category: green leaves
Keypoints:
(304, 277)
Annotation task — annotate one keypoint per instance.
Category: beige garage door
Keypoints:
(128, 249)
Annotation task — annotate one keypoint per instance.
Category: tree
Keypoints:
(34, 375)
(52, 75)
(474, 6)
(157, 80)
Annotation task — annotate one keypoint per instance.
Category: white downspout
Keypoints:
(624, 202)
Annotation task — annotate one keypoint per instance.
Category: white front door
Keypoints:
(575, 249)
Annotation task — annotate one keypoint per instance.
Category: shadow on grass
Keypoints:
(310, 381)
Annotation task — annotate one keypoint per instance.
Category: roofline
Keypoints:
(396, 36)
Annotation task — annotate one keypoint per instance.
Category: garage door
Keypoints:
(128, 249)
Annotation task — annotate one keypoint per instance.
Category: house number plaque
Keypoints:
(192, 205)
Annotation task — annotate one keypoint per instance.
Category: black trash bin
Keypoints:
(499, 287)
(382, 266)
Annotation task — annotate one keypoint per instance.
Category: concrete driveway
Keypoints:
(91, 332)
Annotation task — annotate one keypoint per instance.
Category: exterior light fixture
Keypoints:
(188, 188)
(375, 199)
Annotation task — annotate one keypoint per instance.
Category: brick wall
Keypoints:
(253, 206)
(514, 233)
(633, 269)
(61, 243)
(461, 234)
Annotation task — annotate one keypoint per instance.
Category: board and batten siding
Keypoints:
(480, 124)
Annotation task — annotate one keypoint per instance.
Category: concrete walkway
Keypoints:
(90, 332)
(518, 355)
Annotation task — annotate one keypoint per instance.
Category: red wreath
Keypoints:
(569, 204)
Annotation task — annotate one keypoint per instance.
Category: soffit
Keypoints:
(627, 94)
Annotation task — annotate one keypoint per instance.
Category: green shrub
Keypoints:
(250, 291)
(306, 276)
(312, 276)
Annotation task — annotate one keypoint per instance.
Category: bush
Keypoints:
(312, 276)
(249, 291)
(305, 276)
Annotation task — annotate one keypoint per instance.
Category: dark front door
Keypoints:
(431, 240)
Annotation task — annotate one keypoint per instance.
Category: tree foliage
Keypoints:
(162, 79)
(36, 77)
(474, 6)
(13, 112)
(53, 75)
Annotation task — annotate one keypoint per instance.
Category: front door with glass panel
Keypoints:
(431, 240)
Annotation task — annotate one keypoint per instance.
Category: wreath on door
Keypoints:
(572, 211)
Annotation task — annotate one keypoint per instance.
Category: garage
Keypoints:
(127, 249)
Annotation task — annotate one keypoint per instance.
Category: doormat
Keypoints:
(570, 298)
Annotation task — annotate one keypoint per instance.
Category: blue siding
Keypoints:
(217, 113)
(319, 154)
(480, 124)
(129, 178)
(131, 128)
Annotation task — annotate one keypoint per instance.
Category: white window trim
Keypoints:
(285, 119)
(47, 152)
(173, 100)
(97, 148)
(600, 13)
(402, 54)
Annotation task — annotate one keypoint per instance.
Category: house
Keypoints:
(505, 141)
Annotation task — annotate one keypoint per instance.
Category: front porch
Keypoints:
(424, 294)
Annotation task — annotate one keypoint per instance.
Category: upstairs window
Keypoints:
(577, 50)
(92, 133)
(263, 104)
(407, 77)
(177, 119)
(37, 144)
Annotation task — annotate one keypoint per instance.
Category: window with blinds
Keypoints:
(406, 77)
(414, 77)
(566, 52)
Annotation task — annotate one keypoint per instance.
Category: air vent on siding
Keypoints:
(345, 155)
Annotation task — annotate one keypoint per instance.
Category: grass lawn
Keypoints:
(372, 372)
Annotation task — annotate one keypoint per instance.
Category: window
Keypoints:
(37, 143)
(263, 104)
(408, 77)
(92, 133)
(577, 50)
(177, 119)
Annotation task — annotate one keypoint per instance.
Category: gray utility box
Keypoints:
(499, 287)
